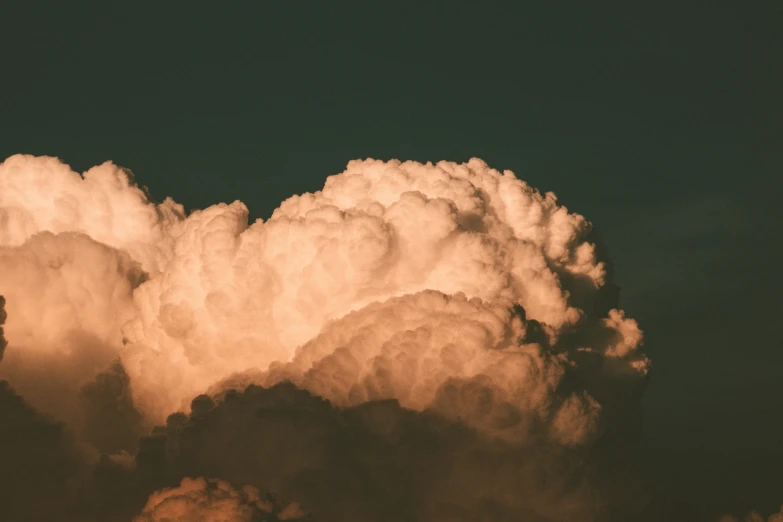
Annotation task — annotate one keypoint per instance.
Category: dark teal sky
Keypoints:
(662, 124)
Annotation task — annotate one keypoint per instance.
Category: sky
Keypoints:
(661, 124)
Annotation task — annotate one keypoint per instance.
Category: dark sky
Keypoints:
(662, 124)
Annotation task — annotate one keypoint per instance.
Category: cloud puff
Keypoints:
(42, 194)
(67, 297)
(463, 358)
(203, 500)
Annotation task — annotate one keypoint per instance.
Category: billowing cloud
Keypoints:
(67, 297)
(452, 289)
(188, 301)
(434, 342)
(236, 297)
(42, 194)
(465, 359)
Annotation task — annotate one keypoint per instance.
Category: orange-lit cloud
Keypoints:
(201, 500)
(432, 305)
(218, 297)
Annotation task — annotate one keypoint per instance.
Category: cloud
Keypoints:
(465, 359)
(67, 297)
(236, 297)
(456, 291)
(188, 301)
(202, 500)
(434, 342)
(42, 194)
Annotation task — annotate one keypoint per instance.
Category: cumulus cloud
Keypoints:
(188, 301)
(413, 341)
(236, 296)
(42, 194)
